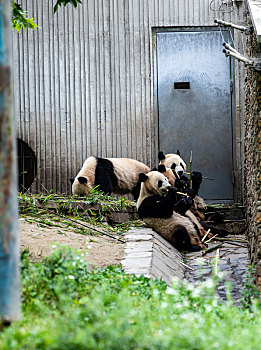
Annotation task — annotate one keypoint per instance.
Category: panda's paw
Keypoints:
(183, 205)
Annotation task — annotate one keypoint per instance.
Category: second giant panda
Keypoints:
(117, 175)
(173, 161)
(159, 207)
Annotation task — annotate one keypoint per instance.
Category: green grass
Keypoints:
(66, 306)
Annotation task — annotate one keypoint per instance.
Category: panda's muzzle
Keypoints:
(166, 189)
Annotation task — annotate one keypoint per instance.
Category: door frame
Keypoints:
(155, 31)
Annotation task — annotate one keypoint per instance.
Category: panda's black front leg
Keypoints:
(196, 178)
(183, 205)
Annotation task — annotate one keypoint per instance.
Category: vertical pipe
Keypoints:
(9, 254)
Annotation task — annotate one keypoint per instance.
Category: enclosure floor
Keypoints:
(147, 253)
(233, 262)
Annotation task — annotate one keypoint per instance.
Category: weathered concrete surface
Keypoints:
(147, 253)
(233, 261)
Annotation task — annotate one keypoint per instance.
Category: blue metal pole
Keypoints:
(9, 243)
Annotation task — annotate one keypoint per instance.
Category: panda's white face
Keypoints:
(81, 186)
(156, 183)
(178, 168)
(175, 162)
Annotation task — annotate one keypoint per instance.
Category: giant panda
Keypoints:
(195, 214)
(178, 166)
(173, 161)
(158, 206)
(117, 175)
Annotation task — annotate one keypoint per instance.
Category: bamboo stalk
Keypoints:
(205, 235)
(204, 177)
(211, 239)
(89, 227)
(214, 247)
(183, 194)
(188, 267)
(190, 169)
(232, 240)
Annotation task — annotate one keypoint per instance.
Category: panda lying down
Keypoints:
(118, 175)
(167, 212)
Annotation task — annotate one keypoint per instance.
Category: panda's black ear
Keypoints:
(82, 180)
(173, 166)
(161, 168)
(161, 155)
(71, 181)
(143, 177)
(178, 152)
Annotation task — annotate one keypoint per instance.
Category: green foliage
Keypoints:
(67, 306)
(34, 208)
(65, 2)
(20, 18)
(250, 291)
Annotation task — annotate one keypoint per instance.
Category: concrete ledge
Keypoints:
(147, 253)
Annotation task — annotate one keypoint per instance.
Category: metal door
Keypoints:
(194, 105)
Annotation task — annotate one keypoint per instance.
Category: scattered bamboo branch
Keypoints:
(211, 239)
(89, 227)
(205, 235)
(214, 247)
(231, 240)
(188, 267)
(204, 177)
(183, 194)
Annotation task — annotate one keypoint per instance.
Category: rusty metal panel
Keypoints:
(85, 80)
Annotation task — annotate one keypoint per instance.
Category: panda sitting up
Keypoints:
(161, 208)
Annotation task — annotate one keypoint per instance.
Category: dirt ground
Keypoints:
(101, 251)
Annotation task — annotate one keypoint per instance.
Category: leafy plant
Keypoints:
(34, 208)
(250, 291)
(65, 2)
(20, 18)
(68, 306)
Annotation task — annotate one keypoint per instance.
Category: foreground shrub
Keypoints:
(65, 306)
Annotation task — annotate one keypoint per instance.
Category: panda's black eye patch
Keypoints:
(160, 183)
(182, 165)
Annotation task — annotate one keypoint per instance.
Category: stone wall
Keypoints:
(252, 166)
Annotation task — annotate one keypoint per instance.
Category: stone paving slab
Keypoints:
(147, 253)
(233, 261)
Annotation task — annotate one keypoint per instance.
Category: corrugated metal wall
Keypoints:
(83, 80)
